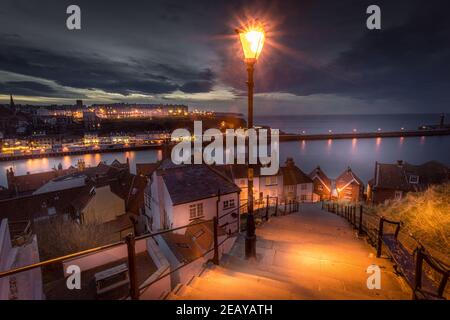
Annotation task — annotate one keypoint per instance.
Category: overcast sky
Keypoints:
(319, 56)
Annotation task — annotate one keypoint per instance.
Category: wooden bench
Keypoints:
(111, 278)
(411, 265)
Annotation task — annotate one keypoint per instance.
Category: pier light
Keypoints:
(379, 129)
(330, 131)
(354, 130)
(402, 128)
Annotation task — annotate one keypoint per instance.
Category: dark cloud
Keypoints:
(27, 88)
(405, 61)
(197, 86)
(157, 47)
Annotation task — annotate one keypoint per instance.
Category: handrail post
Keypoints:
(276, 206)
(360, 229)
(267, 208)
(418, 275)
(134, 291)
(380, 235)
(354, 215)
(216, 241)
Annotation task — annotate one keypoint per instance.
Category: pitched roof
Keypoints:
(186, 183)
(41, 205)
(347, 177)
(62, 183)
(397, 176)
(292, 174)
(318, 174)
(31, 182)
(146, 169)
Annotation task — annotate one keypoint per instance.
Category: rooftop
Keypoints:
(186, 183)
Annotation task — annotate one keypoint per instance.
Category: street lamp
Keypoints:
(252, 41)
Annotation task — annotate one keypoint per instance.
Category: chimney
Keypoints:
(166, 151)
(10, 177)
(290, 162)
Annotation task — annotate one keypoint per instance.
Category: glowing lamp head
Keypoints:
(252, 41)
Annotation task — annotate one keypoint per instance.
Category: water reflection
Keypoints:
(46, 164)
(332, 156)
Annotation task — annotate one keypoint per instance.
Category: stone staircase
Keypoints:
(234, 279)
(312, 255)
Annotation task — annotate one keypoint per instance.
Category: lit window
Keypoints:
(271, 180)
(228, 204)
(304, 186)
(398, 195)
(195, 211)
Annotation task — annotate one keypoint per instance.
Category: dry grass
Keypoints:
(426, 215)
(58, 238)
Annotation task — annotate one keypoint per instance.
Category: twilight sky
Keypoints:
(319, 57)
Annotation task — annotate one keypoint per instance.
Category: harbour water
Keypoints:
(332, 155)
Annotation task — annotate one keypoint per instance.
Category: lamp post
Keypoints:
(252, 41)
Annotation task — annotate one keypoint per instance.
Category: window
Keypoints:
(242, 182)
(196, 211)
(398, 195)
(414, 179)
(291, 188)
(271, 180)
(227, 204)
(320, 187)
(304, 186)
(303, 197)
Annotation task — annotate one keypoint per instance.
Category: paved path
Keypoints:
(308, 255)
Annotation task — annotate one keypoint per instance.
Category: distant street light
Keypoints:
(252, 40)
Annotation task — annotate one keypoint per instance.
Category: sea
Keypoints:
(333, 156)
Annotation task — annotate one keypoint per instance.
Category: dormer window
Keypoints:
(414, 179)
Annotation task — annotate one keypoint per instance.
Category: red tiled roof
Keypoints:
(31, 182)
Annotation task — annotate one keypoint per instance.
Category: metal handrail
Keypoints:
(90, 251)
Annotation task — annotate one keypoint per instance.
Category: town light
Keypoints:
(252, 41)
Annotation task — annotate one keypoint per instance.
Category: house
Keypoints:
(30, 182)
(394, 181)
(180, 194)
(289, 183)
(15, 254)
(349, 186)
(297, 185)
(322, 184)
(105, 194)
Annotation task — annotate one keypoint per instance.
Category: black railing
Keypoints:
(130, 241)
(371, 225)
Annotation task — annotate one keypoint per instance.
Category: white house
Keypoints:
(178, 195)
(290, 183)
